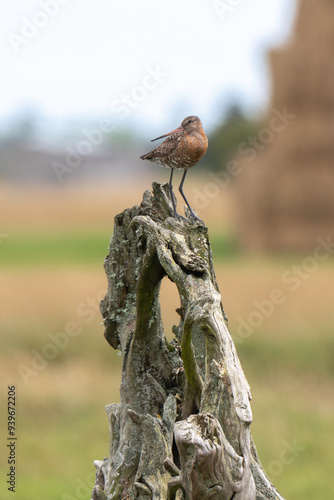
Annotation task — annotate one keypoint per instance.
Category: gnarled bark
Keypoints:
(182, 428)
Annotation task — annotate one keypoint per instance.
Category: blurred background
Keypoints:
(85, 87)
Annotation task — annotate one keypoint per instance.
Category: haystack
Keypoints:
(285, 193)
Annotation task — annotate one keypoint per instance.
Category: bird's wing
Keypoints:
(165, 151)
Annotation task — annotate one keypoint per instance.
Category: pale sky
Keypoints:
(140, 61)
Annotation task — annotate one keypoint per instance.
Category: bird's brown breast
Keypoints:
(196, 145)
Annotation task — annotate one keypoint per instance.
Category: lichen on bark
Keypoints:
(182, 427)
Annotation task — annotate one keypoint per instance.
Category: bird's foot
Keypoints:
(194, 217)
(179, 217)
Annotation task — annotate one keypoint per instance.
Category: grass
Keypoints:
(53, 450)
(78, 248)
(71, 248)
(294, 356)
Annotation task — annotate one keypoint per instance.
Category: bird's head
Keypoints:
(191, 123)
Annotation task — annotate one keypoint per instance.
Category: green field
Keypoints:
(76, 248)
(48, 277)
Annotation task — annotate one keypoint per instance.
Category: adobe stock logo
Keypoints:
(57, 342)
(83, 489)
(292, 279)
(31, 27)
(249, 149)
(119, 109)
(223, 7)
(289, 453)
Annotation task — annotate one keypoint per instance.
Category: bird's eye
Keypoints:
(189, 121)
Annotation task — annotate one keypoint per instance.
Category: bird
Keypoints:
(182, 149)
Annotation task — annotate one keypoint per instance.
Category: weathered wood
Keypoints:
(182, 428)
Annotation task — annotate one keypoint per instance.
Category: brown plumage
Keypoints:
(183, 148)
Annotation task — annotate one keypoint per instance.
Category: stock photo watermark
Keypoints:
(93, 138)
(11, 438)
(292, 279)
(31, 26)
(248, 149)
(223, 7)
(40, 359)
(83, 489)
(288, 454)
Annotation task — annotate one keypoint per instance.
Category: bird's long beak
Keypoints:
(179, 129)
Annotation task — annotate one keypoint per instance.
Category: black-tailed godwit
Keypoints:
(183, 148)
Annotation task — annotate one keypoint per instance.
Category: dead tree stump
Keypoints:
(182, 428)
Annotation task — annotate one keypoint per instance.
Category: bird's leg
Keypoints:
(176, 215)
(172, 193)
(193, 216)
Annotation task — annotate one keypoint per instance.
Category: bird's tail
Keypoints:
(146, 157)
